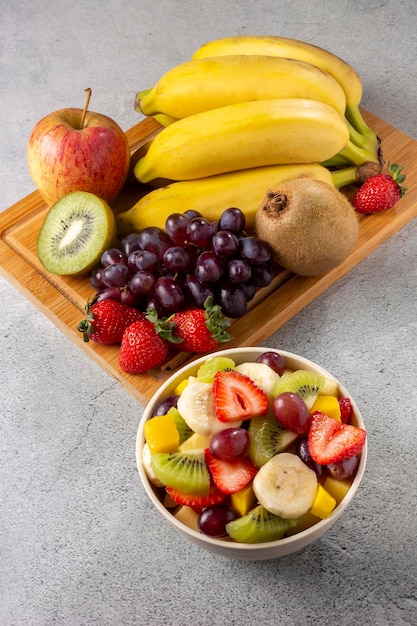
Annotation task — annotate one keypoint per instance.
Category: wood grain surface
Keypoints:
(62, 299)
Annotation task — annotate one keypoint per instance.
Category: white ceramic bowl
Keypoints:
(259, 551)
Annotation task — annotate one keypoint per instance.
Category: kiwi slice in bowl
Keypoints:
(185, 471)
(267, 438)
(76, 231)
(304, 383)
(259, 525)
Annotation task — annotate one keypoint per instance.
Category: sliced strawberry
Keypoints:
(237, 397)
(331, 441)
(345, 410)
(230, 476)
(197, 502)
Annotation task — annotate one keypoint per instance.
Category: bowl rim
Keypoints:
(290, 543)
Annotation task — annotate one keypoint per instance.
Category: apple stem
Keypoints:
(87, 102)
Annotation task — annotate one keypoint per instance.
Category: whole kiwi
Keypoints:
(309, 224)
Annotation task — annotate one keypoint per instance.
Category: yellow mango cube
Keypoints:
(323, 504)
(243, 501)
(180, 387)
(328, 405)
(161, 434)
(337, 488)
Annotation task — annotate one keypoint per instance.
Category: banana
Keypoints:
(211, 196)
(262, 375)
(303, 51)
(196, 407)
(285, 486)
(209, 83)
(244, 135)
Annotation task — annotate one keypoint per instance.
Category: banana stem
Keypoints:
(352, 174)
(356, 155)
(337, 160)
(358, 139)
(354, 117)
(345, 176)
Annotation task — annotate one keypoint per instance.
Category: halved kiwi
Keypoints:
(267, 438)
(76, 231)
(305, 383)
(184, 471)
(258, 526)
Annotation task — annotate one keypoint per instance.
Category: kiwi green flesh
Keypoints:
(267, 438)
(76, 231)
(258, 526)
(184, 431)
(304, 383)
(209, 368)
(185, 471)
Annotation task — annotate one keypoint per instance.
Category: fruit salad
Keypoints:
(252, 452)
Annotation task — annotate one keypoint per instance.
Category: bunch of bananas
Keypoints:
(244, 114)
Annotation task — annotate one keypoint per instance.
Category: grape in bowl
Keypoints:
(304, 527)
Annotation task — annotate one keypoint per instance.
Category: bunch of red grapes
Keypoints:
(186, 263)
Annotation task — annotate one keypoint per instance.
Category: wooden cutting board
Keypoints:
(62, 299)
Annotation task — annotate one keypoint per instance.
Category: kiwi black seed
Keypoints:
(185, 471)
(310, 225)
(76, 231)
(258, 526)
(305, 383)
(267, 438)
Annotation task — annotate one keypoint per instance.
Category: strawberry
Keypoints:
(237, 397)
(230, 476)
(106, 321)
(380, 191)
(196, 502)
(345, 410)
(201, 330)
(142, 348)
(331, 441)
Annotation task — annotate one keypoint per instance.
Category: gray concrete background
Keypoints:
(79, 542)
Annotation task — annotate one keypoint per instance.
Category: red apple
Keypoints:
(78, 150)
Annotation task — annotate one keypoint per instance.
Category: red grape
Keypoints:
(208, 267)
(178, 259)
(229, 444)
(112, 256)
(129, 243)
(154, 240)
(344, 469)
(232, 300)
(291, 412)
(199, 232)
(163, 407)
(212, 521)
(225, 243)
(232, 219)
(303, 451)
(116, 275)
(254, 250)
(239, 271)
(169, 293)
(142, 260)
(143, 283)
(176, 228)
(274, 360)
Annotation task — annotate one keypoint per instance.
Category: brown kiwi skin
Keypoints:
(310, 225)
